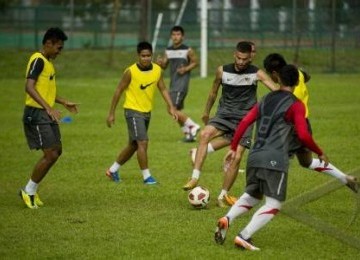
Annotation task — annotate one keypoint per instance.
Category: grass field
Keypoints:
(86, 216)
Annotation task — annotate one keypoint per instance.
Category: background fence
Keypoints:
(333, 32)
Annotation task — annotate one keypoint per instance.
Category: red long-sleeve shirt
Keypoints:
(295, 115)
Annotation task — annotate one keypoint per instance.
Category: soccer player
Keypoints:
(273, 63)
(182, 60)
(239, 86)
(277, 116)
(40, 118)
(138, 83)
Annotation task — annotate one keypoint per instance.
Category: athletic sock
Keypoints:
(222, 194)
(195, 174)
(330, 170)
(261, 217)
(210, 148)
(115, 167)
(31, 187)
(146, 173)
(189, 123)
(241, 206)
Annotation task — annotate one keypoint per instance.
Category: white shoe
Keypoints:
(194, 129)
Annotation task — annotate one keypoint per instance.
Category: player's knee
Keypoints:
(273, 204)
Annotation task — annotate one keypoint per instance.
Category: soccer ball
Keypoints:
(199, 197)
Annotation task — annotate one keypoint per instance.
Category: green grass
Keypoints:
(87, 216)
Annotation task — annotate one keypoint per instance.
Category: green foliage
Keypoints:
(87, 216)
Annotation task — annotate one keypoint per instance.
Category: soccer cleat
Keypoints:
(114, 176)
(29, 200)
(245, 243)
(353, 183)
(226, 201)
(221, 229)
(230, 199)
(150, 180)
(38, 201)
(193, 154)
(188, 138)
(190, 184)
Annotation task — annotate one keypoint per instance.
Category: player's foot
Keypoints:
(190, 184)
(193, 154)
(221, 229)
(245, 243)
(29, 200)
(38, 201)
(114, 176)
(353, 183)
(226, 201)
(150, 180)
(188, 138)
(230, 199)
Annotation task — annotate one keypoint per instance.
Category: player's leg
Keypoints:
(188, 126)
(206, 135)
(230, 175)
(246, 202)
(45, 136)
(273, 184)
(260, 218)
(213, 146)
(307, 161)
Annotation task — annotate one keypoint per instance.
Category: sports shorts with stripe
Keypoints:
(40, 130)
(138, 124)
(178, 98)
(228, 126)
(271, 183)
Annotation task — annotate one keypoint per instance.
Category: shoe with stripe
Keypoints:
(245, 243)
(221, 229)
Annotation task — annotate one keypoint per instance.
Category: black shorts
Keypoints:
(271, 183)
(228, 126)
(138, 124)
(40, 130)
(178, 98)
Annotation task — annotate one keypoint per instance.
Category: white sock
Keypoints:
(210, 148)
(241, 206)
(115, 167)
(188, 122)
(261, 217)
(195, 174)
(146, 173)
(31, 187)
(330, 170)
(222, 194)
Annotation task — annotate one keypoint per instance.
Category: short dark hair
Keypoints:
(54, 34)
(244, 47)
(274, 62)
(144, 46)
(178, 28)
(289, 75)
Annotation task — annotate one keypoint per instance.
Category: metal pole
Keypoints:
(204, 45)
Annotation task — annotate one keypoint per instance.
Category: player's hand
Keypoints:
(173, 112)
(205, 119)
(72, 107)
(325, 159)
(228, 159)
(54, 114)
(110, 120)
(181, 69)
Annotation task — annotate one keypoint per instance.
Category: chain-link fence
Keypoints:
(333, 32)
